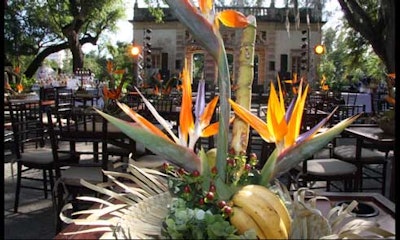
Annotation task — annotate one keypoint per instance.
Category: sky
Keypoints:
(125, 31)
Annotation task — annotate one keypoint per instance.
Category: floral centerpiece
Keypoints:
(112, 92)
(219, 193)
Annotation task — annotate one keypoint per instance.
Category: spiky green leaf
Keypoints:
(172, 152)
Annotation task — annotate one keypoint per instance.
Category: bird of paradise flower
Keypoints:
(20, 88)
(112, 93)
(177, 149)
(282, 127)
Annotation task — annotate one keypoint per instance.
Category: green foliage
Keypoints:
(155, 9)
(348, 59)
(33, 26)
(184, 222)
(27, 83)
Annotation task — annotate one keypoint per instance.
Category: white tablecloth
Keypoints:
(362, 99)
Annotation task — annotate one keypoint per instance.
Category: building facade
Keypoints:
(277, 51)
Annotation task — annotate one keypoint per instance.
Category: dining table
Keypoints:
(381, 140)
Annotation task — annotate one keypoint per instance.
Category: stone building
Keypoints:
(277, 50)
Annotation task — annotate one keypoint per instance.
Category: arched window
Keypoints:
(197, 66)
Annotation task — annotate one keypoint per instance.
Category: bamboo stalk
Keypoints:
(240, 132)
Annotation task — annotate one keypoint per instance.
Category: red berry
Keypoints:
(247, 167)
(165, 165)
(214, 170)
(195, 173)
(212, 188)
(231, 151)
(231, 162)
(201, 201)
(253, 156)
(181, 171)
(186, 189)
(210, 196)
(227, 210)
(221, 204)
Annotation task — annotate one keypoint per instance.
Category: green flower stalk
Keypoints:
(205, 28)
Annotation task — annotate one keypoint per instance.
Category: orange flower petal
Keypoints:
(142, 121)
(232, 18)
(282, 100)
(212, 129)
(119, 71)
(259, 125)
(294, 124)
(105, 91)
(205, 118)
(288, 81)
(295, 78)
(186, 116)
(205, 6)
(276, 123)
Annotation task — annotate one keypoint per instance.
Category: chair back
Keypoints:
(78, 127)
(47, 93)
(64, 99)
(27, 125)
(135, 102)
(346, 111)
(310, 120)
(351, 98)
(315, 102)
(163, 105)
(165, 108)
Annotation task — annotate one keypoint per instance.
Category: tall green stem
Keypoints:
(224, 86)
(240, 131)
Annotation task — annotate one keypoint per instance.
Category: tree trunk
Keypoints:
(76, 50)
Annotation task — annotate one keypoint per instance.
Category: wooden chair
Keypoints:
(80, 137)
(351, 98)
(164, 107)
(64, 99)
(28, 129)
(320, 167)
(327, 170)
(346, 111)
(135, 102)
(317, 101)
(373, 162)
(47, 94)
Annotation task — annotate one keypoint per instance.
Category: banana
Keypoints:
(262, 213)
(274, 200)
(243, 222)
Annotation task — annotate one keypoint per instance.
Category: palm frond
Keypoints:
(339, 222)
(136, 206)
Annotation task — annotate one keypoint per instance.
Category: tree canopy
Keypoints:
(374, 21)
(39, 28)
